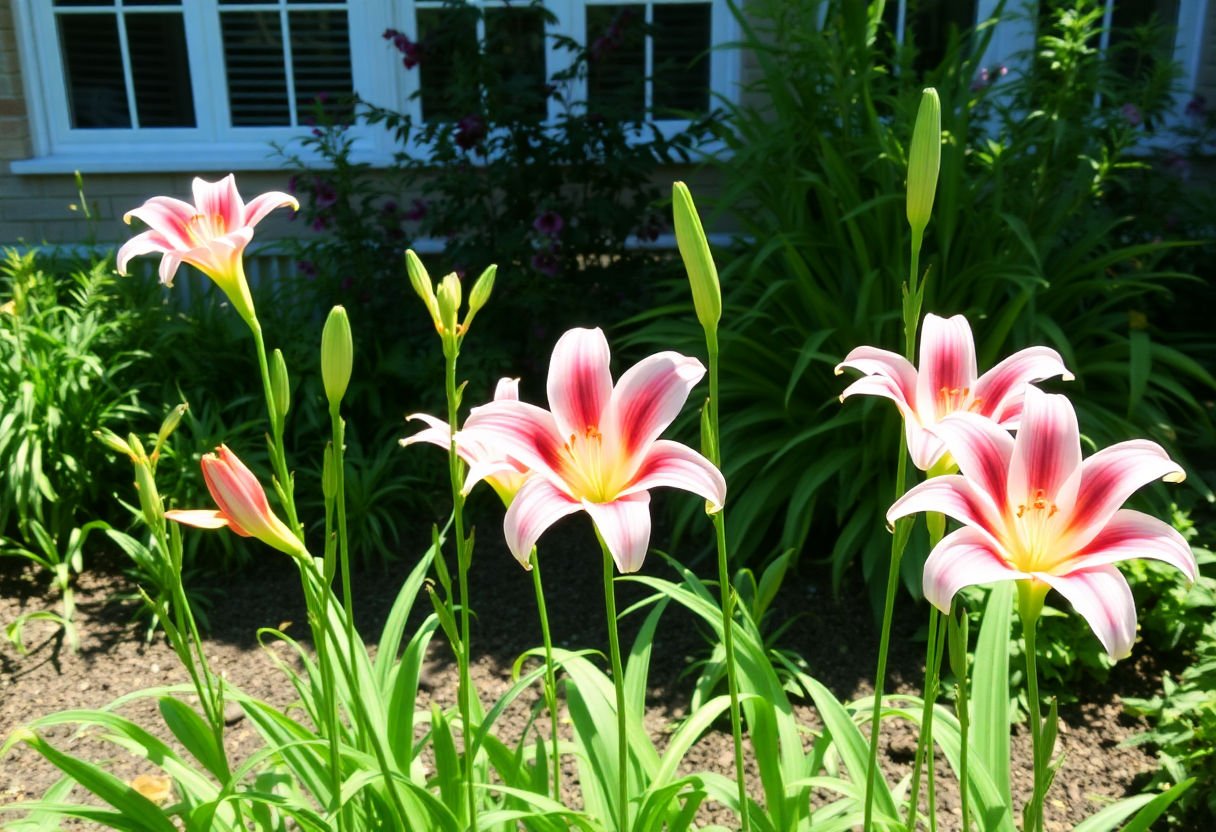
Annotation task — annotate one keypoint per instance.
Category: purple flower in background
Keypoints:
(470, 130)
(417, 210)
(650, 230)
(324, 194)
(411, 50)
(307, 268)
(546, 263)
(1132, 113)
(550, 223)
(389, 207)
(1197, 107)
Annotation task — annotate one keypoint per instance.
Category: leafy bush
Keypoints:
(1025, 239)
(559, 201)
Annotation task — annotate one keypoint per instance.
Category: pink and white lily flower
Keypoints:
(210, 235)
(505, 476)
(948, 382)
(1033, 510)
(598, 449)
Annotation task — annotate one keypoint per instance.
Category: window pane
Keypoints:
(253, 57)
(681, 58)
(92, 66)
(616, 77)
(160, 69)
(449, 42)
(320, 56)
(930, 23)
(515, 49)
(1142, 31)
(84, 3)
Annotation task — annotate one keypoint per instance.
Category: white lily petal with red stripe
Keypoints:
(947, 363)
(625, 526)
(999, 392)
(263, 204)
(1133, 534)
(580, 381)
(674, 465)
(1103, 598)
(521, 431)
(983, 451)
(1112, 475)
(896, 373)
(647, 398)
(221, 200)
(955, 497)
(963, 558)
(536, 507)
(168, 216)
(1046, 461)
(199, 518)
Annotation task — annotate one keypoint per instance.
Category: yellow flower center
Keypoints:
(590, 475)
(204, 227)
(955, 400)
(1036, 534)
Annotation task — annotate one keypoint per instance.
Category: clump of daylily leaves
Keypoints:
(1001, 458)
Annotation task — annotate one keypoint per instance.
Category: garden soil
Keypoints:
(835, 635)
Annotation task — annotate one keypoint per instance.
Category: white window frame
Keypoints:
(214, 145)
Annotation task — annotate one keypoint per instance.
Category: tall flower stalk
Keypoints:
(707, 302)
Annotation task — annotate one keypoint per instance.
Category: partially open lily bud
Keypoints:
(337, 355)
(421, 281)
(924, 161)
(698, 262)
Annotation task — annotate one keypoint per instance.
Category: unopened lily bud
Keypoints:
(337, 355)
(924, 161)
(171, 422)
(138, 454)
(114, 442)
(280, 387)
(421, 281)
(481, 292)
(149, 496)
(329, 474)
(449, 303)
(698, 261)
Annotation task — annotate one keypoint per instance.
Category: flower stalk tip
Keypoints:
(698, 261)
(337, 355)
(924, 161)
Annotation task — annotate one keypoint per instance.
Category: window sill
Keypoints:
(158, 159)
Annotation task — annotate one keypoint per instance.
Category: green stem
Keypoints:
(463, 557)
(618, 681)
(931, 772)
(324, 656)
(550, 676)
(1033, 819)
(964, 722)
(278, 456)
(930, 695)
(724, 584)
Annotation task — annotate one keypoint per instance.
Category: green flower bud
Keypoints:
(924, 161)
(113, 441)
(280, 388)
(149, 497)
(698, 262)
(481, 293)
(421, 281)
(337, 355)
(329, 474)
(171, 422)
(449, 296)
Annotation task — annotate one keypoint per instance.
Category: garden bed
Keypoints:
(115, 660)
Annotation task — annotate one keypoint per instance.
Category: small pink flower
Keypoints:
(506, 476)
(242, 504)
(598, 450)
(470, 131)
(210, 235)
(1032, 510)
(549, 223)
(947, 382)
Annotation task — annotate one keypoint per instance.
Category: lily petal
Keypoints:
(436, 432)
(221, 200)
(580, 381)
(507, 389)
(955, 497)
(983, 451)
(1103, 598)
(924, 446)
(1112, 475)
(625, 526)
(536, 507)
(147, 242)
(1133, 534)
(168, 216)
(1046, 461)
(519, 430)
(947, 365)
(647, 398)
(263, 204)
(887, 374)
(674, 465)
(999, 392)
(201, 518)
(963, 558)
